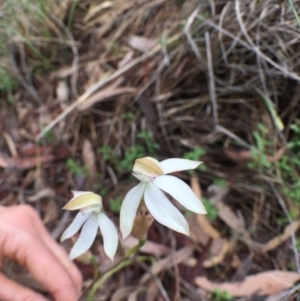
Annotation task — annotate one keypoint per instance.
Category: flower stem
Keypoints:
(105, 276)
(124, 262)
(135, 248)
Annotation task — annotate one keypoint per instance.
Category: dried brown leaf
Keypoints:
(277, 156)
(239, 155)
(202, 220)
(218, 258)
(141, 43)
(51, 212)
(196, 186)
(265, 283)
(224, 212)
(278, 240)
(10, 144)
(201, 233)
(190, 262)
(197, 233)
(230, 218)
(126, 59)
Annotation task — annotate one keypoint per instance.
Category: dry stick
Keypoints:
(103, 82)
(221, 21)
(189, 36)
(48, 40)
(213, 8)
(212, 88)
(211, 76)
(286, 212)
(225, 131)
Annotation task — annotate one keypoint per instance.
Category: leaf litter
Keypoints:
(265, 283)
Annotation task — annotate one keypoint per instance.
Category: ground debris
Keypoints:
(265, 283)
(101, 84)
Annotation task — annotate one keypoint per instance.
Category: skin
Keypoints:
(24, 239)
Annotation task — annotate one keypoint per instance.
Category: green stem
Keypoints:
(135, 248)
(109, 273)
(124, 262)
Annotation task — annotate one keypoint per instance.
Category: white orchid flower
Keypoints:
(90, 217)
(154, 178)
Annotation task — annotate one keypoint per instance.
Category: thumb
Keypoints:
(12, 291)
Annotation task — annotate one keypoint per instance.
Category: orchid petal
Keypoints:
(75, 225)
(110, 235)
(86, 237)
(163, 210)
(181, 192)
(172, 165)
(83, 199)
(129, 208)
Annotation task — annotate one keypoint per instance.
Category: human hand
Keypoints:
(24, 239)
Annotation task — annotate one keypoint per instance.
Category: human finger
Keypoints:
(55, 248)
(41, 263)
(12, 291)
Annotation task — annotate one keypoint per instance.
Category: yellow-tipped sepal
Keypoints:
(148, 167)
